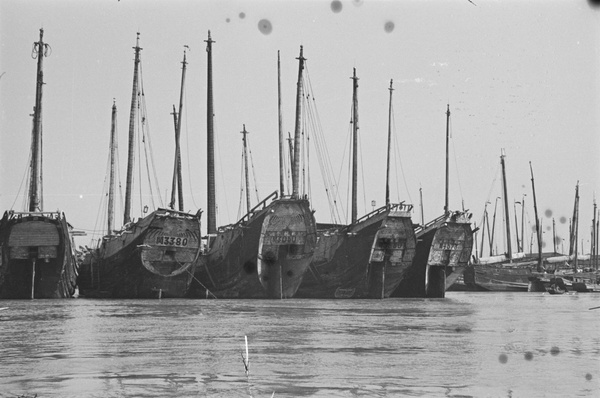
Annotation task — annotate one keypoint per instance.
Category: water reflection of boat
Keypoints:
(37, 259)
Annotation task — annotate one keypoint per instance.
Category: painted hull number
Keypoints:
(171, 241)
(279, 238)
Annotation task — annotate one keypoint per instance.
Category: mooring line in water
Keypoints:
(196, 279)
(593, 308)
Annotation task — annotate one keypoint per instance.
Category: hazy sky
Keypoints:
(522, 76)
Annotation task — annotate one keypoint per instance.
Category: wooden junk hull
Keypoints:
(443, 251)
(264, 255)
(497, 278)
(152, 258)
(367, 259)
(36, 256)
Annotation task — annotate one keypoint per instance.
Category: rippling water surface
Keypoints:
(469, 344)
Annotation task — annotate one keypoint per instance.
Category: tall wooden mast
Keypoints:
(597, 232)
(389, 144)
(446, 202)
(575, 229)
(506, 214)
(40, 51)
(111, 178)
(297, 130)
(594, 251)
(517, 226)
(421, 204)
(174, 181)
(485, 217)
(210, 146)
(132, 113)
(522, 224)
(280, 125)
(354, 146)
(537, 222)
(177, 169)
(245, 155)
(553, 236)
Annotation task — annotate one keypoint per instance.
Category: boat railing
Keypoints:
(180, 213)
(56, 215)
(431, 223)
(449, 215)
(391, 207)
(249, 215)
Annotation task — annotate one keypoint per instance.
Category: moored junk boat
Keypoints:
(36, 256)
(444, 247)
(365, 259)
(154, 256)
(263, 255)
(368, 257)
(497, 277)
(443, 251)
(266, 253)
(36, 247)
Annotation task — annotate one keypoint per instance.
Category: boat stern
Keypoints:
(392, 253)
(449, 255)
(169, 252)
(286, 246)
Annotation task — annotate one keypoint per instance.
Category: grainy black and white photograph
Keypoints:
(299, 198)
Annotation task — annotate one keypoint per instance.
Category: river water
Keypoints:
(468, 344)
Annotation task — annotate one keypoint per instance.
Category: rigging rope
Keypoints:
(240, 203)
(24, 180)
(398, 160)
(253, 170)
(362, 172)
(187, 138)
(456, 164)
(348, 167)
(323, 158)
(144, 128)
(218, 152)
(491, 188)
(138, 149)
(314, 124)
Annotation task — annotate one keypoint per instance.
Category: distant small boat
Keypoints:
(520, 272)
(36, 247)
(556, 288)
